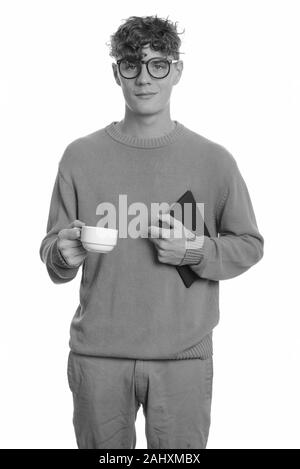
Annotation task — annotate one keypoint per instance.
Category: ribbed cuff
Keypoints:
(194, 251)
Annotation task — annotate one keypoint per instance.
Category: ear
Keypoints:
(178, 72)
(115, 72)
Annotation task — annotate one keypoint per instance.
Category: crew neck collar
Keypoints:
(141, 142)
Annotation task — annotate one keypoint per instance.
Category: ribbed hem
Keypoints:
(194, 251)
(140, 142)
(204, 349)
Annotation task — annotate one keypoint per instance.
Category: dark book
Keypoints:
(186, 273)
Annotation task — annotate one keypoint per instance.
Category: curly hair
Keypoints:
(137, 31)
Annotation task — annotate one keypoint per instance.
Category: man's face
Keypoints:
(145, 83)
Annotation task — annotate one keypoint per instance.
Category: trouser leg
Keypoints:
(177, 402)
(104, 401)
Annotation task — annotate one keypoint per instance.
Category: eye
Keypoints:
(160, 65)
(129, 65)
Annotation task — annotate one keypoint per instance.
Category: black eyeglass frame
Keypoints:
(139, 62)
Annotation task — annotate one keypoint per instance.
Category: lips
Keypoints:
(144, 94)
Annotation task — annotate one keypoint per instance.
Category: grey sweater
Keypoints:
(130, 304)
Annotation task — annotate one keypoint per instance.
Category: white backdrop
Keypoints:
(240, 88)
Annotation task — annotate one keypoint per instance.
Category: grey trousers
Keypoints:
(107, 393)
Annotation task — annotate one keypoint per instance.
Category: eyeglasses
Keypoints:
(157, 67)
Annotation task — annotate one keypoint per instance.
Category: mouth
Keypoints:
(145, 95)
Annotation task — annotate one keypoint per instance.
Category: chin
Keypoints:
(146, 105)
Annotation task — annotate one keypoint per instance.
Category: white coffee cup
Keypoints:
(98, 239)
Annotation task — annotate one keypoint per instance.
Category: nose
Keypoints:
(144, 76)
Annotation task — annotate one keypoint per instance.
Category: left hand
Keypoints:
(170, 246)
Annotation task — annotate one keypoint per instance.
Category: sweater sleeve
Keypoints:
(63, 210)
(238, 246)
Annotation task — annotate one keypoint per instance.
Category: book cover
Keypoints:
(187, 275)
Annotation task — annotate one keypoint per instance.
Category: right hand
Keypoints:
(70, 245)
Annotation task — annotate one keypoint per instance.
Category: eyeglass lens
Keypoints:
(158, 68)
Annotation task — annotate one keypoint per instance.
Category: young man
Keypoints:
(139, 336)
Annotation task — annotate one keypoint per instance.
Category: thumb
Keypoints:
(73, 231)
(76, 223)
(167, 209)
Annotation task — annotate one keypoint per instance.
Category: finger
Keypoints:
(180, 231)
(78, 259)
(71, 256)
(65, 243)
(167, 208)
(157, 233)
(153, 232)
(76, 223)
(74, 251)
(70, 233)
(82, 250)
(168, 219)
(164, 209)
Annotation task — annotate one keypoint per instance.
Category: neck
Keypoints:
(146, 126)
